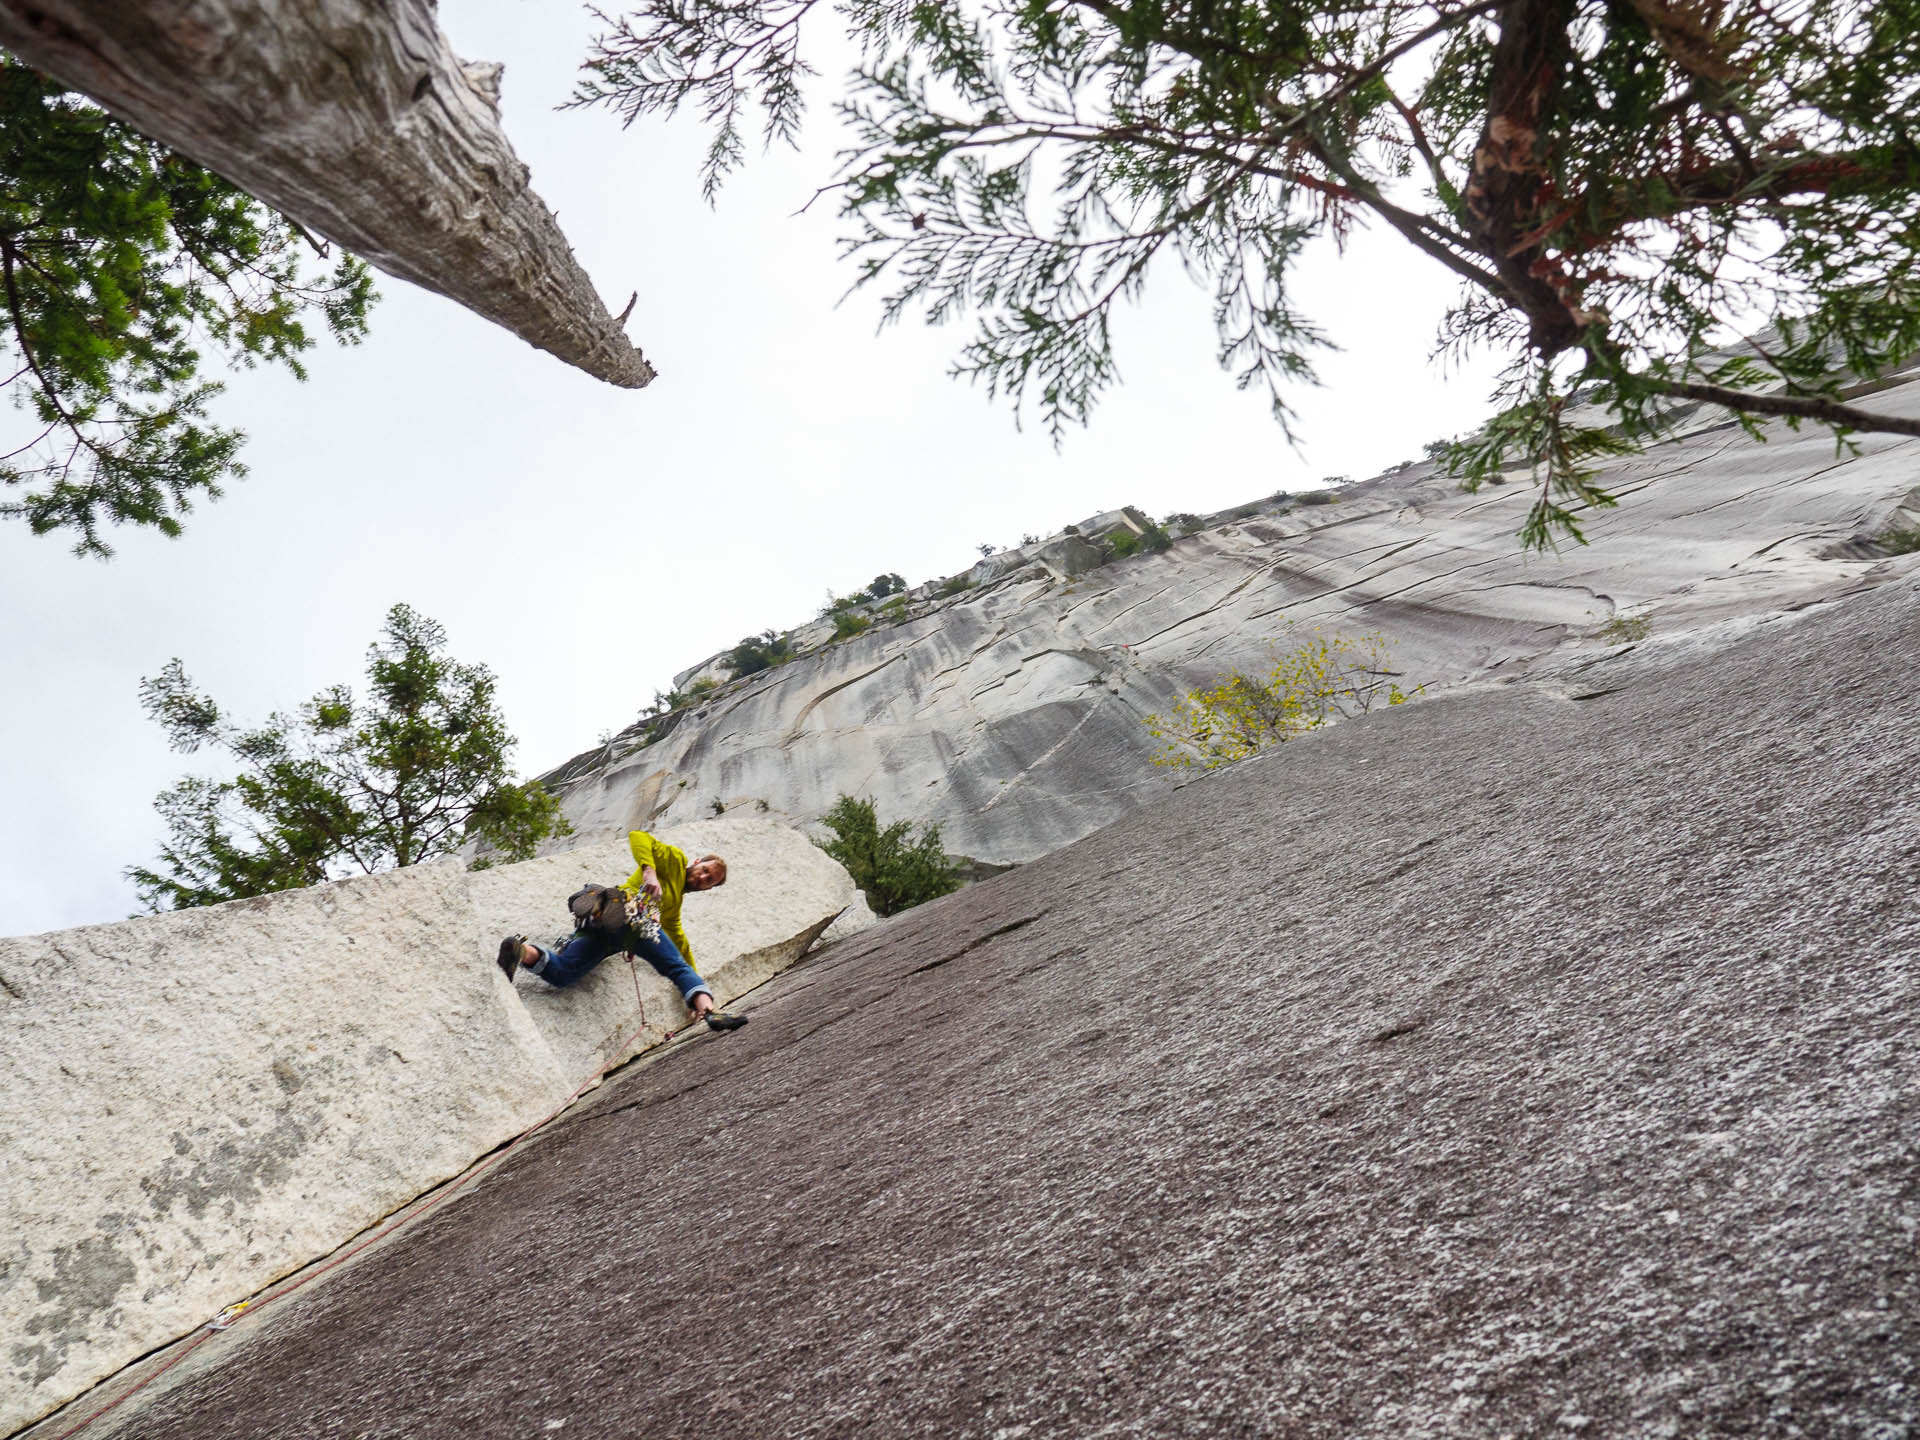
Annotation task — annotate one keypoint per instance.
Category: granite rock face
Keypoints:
(1536, 1061)
(1011, 712)
(789, 893)
(200, 1102)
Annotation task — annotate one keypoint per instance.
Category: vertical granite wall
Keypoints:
(203, 1101)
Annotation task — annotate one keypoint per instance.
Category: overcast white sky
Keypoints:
(549, 520)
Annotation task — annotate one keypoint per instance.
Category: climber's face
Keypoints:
(706, 872)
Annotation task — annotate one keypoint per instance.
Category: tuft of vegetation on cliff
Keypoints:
(894, 868)
(1310, 682)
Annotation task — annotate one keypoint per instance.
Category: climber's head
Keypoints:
(706, 872)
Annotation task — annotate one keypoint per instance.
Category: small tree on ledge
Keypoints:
(893, 870)
(342, 785)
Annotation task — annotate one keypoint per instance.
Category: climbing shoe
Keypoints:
(720, 1020)
(510, 956)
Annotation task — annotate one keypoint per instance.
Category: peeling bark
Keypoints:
(1509, 177)
(355, 119)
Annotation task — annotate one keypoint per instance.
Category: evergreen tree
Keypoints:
(894, 869)
(342, 785)
(119, 261)
(1612, 182)
(758, 652)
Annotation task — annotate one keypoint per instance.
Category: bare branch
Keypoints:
(1808, 407)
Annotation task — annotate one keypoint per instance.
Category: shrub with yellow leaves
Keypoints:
(1311, 681)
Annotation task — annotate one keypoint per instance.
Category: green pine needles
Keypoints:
(1619, 186)
(894, 868)
(344, 785)
(119, 263)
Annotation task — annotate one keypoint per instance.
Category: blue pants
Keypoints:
(588, 948)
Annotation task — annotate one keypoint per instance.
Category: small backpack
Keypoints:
(599, 909)
(610, 910)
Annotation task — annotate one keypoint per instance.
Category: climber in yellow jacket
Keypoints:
(662, 871)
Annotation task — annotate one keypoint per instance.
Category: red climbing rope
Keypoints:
(234, 1313)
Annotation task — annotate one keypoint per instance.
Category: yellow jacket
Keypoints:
(669, 862)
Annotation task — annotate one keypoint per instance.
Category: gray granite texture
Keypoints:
(1011, 712)
(1533, 1061)
(200, 1102)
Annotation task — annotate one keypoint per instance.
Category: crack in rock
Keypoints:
(976, 943)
